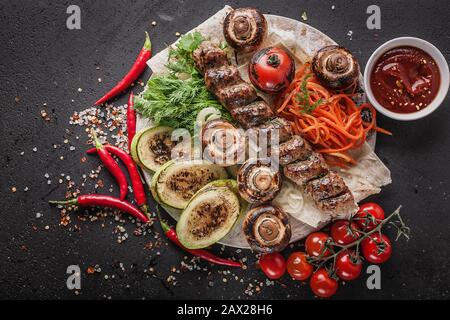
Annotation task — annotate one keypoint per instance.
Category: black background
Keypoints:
(41, 61)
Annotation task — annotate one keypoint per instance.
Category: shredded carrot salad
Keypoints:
(331, 121)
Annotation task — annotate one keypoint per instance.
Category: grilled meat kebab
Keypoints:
(301, 164)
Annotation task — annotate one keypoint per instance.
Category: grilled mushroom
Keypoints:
(245, 29)
(267, 229)
(223, 143)
(257, 181)
(336, 67)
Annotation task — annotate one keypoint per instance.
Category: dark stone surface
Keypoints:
(43, 62)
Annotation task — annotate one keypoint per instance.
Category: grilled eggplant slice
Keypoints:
(301, 172)
(209, 215)
(257, 181)
(152, 147)
(176, 182)
(267, 229)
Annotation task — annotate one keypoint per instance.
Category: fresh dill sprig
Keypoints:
(175, 103)
(303, 97)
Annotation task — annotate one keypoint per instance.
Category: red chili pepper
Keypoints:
(100, 200)
(112, 166)
(136, 182)
(131, 120)
(135, 71)
(201, 253)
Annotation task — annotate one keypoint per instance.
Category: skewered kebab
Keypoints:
(302, 164)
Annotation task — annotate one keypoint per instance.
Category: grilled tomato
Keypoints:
(271, 70)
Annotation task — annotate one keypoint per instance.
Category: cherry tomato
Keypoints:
(315, 244)
(271, 70)
(343, 232)
(298, 267)
(372, 252)
(372, 209)
(346, 267)
(273, 265)
(322, 284)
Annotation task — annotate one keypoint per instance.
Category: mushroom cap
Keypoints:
(258, 181)
(336, 67)
(223, 143)
(267, 228)
(245, 29)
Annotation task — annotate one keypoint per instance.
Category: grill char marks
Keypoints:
(301, 164)
(238, 95)
(208, 55)
(301, 172)
(282, 126)
(340, 205)
(253, 114)
(221, 77)
(328, 186)
(294, 149)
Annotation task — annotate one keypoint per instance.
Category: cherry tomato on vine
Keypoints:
(273, 265)
(376, 253)
(298, 267)
(369, 208)
(322, 284)
(315, 244)
(344, 232)
(348, 265)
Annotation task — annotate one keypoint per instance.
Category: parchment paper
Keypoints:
(364, 179)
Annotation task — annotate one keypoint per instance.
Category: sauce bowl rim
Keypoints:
(429, 48)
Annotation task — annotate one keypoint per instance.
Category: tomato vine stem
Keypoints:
(401, 229)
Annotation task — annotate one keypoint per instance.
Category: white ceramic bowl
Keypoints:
(428, 48)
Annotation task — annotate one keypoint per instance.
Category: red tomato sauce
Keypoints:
(405, 79)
